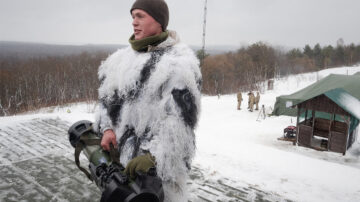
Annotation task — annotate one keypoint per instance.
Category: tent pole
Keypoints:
(297, 126)
(347, 134)
(329, 136)
(313, 125)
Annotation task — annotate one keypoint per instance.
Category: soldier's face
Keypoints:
(144, 25)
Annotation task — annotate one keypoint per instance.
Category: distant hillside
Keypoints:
(24, 50)
(215, 50)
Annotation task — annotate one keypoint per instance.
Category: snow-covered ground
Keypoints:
(235, 145)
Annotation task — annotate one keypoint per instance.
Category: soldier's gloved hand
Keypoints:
(140, 163)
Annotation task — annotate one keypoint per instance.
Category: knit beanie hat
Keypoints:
(158, 9)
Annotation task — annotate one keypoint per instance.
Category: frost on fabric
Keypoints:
(351, 104)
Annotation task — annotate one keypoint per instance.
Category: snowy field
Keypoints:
(235, 145)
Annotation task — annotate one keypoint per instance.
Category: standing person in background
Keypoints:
(239, 99)
(251, 101)
(150, 100)
(257, 100)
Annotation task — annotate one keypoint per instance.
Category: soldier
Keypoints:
(150, 99)
(239, 99)
(257, 99)
(251, 101)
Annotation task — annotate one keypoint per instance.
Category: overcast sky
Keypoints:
(289, 23)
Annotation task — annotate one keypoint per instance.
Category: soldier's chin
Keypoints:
(137, 36)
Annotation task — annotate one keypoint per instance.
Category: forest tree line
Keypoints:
(48, 81)
(41, 82)
(246, 68)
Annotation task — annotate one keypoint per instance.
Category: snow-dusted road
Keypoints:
(36, 164)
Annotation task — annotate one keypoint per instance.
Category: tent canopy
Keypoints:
(343, 83)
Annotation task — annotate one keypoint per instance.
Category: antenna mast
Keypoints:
(204, 32)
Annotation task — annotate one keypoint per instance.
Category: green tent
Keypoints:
(349, 84)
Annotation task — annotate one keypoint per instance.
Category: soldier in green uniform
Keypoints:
(257, 99)
(251, 101)
(239, 99)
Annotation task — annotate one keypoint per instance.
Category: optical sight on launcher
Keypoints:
(108, 173)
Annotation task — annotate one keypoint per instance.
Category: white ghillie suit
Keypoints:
(152, 101)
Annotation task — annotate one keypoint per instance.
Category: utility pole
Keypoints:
(204, 33)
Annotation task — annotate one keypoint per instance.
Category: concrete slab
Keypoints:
(37, 164)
